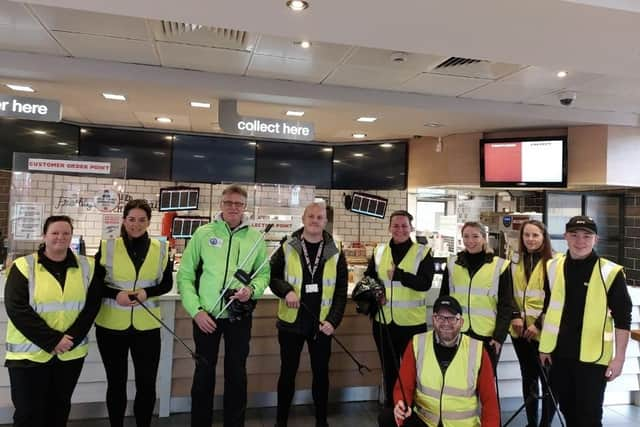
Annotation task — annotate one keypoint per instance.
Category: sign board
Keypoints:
(75, 166)
(106, 200)
(30, 108)
(111, 225)
(27, 222)
(235, 124)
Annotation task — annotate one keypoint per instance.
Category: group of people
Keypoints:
(53, 297)
(563, 311)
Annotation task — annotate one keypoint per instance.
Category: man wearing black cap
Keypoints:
(589, 306)
(425, 396)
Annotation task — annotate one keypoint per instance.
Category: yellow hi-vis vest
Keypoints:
(293, 274)
(405, 306)
(451, 397)
(478, 295)
(596, 340)
(529, 295)
(121, 275)
(57, 307)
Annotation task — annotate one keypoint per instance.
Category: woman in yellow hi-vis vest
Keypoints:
(137, 269)
(481, 282)
(52, 297)
(406, 269)
(531, 292)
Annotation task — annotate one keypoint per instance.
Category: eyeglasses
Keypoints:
(446, 319)
(229, 203)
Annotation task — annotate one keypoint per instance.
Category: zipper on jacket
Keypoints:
(226, 268)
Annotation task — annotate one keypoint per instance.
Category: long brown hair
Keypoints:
(546, 252)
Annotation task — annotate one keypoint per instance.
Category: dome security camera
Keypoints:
(566, 97)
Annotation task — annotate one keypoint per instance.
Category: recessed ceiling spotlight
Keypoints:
(62, 143)
(305, 44)
(336, 161)
(433, 125)
(114, 96)
(399, 57)
(40, 132)
(562, 74)
(295, 113)
(199, 104)
(386, 145)
(366, 119)
(253, 143)
(164, 119)
(359, 135)
(83, 130)
(327, 150)
(168, 137)
(19, 88)
(297, 5)
(358, 155)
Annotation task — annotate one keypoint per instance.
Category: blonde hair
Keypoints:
(483, 231)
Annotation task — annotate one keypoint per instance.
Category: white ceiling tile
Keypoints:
(277, 46)
(382, 59)
(203, 58)
(611, 85)
(108, 48)
(20, 31)
(441, 85)
(481, 70)
(505, 92)
(288, 69)
(598, 102)
(78, 21)
(120, 117)
(367, 77)
(547, 78)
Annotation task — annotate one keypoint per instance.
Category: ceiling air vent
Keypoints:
(180, 32)
(457, 62)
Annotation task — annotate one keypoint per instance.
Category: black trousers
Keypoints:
(579, 388)
(319, 353)
(386, 419)
(390, 356)
(114, 347)
(527, 352)
(236, 349)
(41, 395)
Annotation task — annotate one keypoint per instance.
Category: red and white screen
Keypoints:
(525, 161)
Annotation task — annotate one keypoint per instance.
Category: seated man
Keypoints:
(465, 397)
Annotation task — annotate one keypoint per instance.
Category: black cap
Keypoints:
(448, 303)
(581, 222)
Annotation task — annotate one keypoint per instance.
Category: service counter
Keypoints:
(176, 365)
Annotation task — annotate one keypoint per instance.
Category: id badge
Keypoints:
(311, 288)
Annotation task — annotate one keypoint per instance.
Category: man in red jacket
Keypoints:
(466, 396)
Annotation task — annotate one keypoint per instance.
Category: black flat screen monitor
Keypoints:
(183, 227)
(379, 166)
(368, 204)
(523, 162)
(213, 159)
(298, 164)
(178, 199)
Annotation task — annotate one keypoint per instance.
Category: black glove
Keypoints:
(238, 310)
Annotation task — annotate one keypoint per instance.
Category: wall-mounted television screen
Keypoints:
(183, 227)
(379, 166)
(523, 162)
(368, 204)
(178, 199)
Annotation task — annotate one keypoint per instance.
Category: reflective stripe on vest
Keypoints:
(453, 396)
(121, 275)
(293, 275)
(405, 306)
(596, 341)
(478, 295)
(528, 294)
(59, 307)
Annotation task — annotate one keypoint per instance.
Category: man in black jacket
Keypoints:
(309, 274)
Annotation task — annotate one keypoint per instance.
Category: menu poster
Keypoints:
(111, 225)
(27, 224)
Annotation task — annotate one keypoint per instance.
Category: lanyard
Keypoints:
(312, 267)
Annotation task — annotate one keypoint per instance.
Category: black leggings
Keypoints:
(527, 352)
(319, 353)
(400, 337)
(114, 348)
(42, 394)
